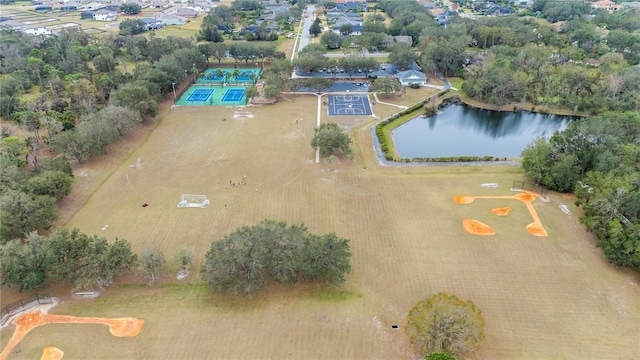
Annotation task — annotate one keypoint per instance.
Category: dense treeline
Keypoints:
(88, 262)
(598, 158)
(252, 256)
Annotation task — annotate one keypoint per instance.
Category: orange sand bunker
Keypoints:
(501, 211)
(476, 227)
(121, 327)
(535, 228)
(52, 353)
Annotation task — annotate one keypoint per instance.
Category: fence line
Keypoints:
(523, 185)
(23, 304)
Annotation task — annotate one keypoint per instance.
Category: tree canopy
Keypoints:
(597, 158)
(443, 323)
(252, 256)
(331, 140)
(68, 256)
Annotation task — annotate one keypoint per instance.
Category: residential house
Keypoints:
(92, 6)
(12, 24)
(36, 30)
(158, 4)
(105, 15)
(185, 12)
(86, 15)
(500, 11)
(606, 5)
(391, 70)
(410, 77)
(173, 20)
(407, 39)
(70, 6)
(356, 26)
(152, 24)
(351, 5)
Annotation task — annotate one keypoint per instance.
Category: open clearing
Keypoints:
(549, 297)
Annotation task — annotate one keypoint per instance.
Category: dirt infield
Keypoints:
(476, 227)
(122, 327)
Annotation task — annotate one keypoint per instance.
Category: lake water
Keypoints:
(459, 130)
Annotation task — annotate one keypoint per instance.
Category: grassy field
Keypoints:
(542, 298)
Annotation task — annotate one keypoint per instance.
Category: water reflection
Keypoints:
(460, 130)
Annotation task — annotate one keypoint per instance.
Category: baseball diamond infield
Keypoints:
(25, 322)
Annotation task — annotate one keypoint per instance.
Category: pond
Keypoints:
(460, 130)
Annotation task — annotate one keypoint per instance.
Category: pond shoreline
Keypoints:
(386, 151)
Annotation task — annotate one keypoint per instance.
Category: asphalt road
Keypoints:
(304, 35)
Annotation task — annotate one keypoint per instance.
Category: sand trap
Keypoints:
(476, 227)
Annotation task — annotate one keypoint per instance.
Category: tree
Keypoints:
(21, 213)
(131, 27)
(136, 97)
(24, 265)
(249, 257)
(444, 323)
(72, 144)
(152, 263)
(315, 28)
(14, 147)
(251, 92)
(183, 258)
(330, 139)
(318, 83)
(402, 55)
(119, 117)
(87, 261)
(346, 29)
(327, 258)
(331, 40)
(130, 8)
(56, 184)
(209, 28)
(386, 85)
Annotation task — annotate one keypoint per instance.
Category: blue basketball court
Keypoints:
(200, 95)
(233, 95)
(341, 105)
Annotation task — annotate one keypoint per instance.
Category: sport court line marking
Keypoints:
(319, 111)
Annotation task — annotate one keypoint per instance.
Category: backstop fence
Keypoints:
(527, 186)
(24, 304)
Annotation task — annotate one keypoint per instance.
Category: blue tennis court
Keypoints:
(233, 95)
(200, 95)
(340, 105)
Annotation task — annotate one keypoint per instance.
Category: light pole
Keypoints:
(173, 86)
(262, 58)
(186, 79)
